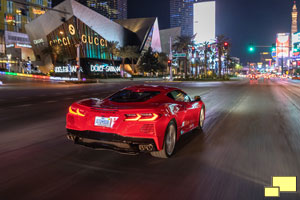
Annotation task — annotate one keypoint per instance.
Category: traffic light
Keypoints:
(193, 50)
(251, 48)
(226, 44)
(169, 63)
(273, 47)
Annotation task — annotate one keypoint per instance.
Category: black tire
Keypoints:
(170, 137)
(201, 118)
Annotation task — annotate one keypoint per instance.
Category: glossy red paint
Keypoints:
(148, 120)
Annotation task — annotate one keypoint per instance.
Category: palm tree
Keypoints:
(221, 39)
(206, 51)
(124, 54)
(133, 53)
(163, 61)
(112, 49)
(182, 44)
(53, 51)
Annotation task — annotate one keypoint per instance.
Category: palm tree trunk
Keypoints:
(205, 64)
(219, 61)
(185, 67)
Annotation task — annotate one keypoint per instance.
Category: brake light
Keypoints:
(149, 117)
(76, 112)
(132, 117)
(141, 117)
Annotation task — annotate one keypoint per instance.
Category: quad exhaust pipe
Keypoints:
(148, 147)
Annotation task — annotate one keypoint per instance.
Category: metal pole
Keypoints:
(171, 57)
(282, 60)
(78, 61)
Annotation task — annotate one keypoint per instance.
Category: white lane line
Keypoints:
(50, 101)
(68, 98)
(24, 105)
(22, 98)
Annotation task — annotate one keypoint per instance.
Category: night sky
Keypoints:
(243, 21)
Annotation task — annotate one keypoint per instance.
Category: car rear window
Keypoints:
(127, 96)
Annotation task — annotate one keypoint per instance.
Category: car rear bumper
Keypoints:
(111, 141)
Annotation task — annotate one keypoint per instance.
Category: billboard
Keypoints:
(282, 45)
(204, 21)
(296, 44)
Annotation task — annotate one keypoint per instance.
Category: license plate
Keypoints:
(103, 121)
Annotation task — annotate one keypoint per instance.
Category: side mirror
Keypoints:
(197, 98)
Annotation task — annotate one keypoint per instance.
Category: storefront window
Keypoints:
(9, 6)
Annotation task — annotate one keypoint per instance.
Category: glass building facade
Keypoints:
(112, 9)
(181, 15)
(14, 16)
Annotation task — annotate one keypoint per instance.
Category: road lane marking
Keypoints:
(24, 105)
(69, 98)
(50, 101)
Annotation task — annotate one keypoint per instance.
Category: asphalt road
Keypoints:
(251, 133)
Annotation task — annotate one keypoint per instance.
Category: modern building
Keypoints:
(168, 38)
(57, 43)
(181, 15)
(14, 42)
(112, 9)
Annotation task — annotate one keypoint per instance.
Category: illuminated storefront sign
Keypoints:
(65, 69)
(38, 12)
(23, 45)
(93, 68)
(282, 45)
(102, 68)
(38, 41)
(85, 38)
(74, 32)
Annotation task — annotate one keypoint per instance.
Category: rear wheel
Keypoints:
(169, 142)
(201, 118)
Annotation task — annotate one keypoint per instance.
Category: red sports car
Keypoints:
(136, 119)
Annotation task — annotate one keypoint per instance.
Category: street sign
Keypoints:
(179, 55)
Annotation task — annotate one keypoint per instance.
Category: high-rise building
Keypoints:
(112, 9)
(14, 42)
(181, 15)
(14, 16)
(294, 19)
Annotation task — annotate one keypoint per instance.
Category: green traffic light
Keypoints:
(273, 49)
(251, 49)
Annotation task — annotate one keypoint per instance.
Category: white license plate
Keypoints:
(103, 121)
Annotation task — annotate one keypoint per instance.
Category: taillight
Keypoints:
(143, 117)
(132, 117)
(76, 111)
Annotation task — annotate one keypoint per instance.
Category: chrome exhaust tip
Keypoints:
(148, 147)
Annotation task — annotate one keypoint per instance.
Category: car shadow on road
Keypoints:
(190, 143)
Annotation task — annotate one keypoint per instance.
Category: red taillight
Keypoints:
(141, 117)
(132, 117)
(76, 111)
